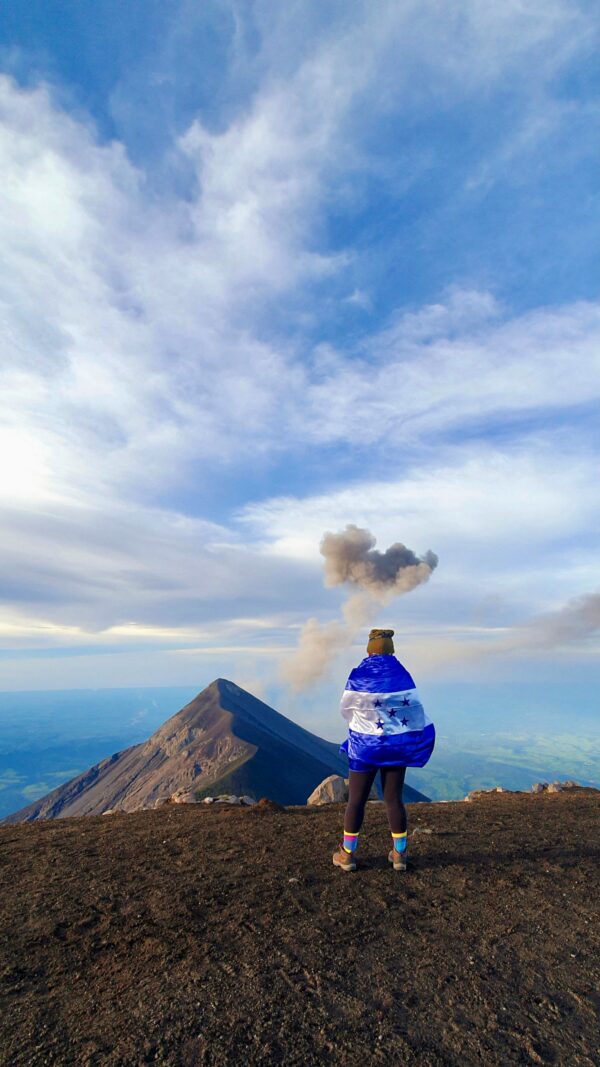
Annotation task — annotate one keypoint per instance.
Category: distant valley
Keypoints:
(481, 761)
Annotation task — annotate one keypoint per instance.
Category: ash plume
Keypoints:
(351, 558)
(374, 577)
(575, 621)
(318, 644)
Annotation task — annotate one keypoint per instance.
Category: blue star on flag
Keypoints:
(404, 721)
(377, 704)
(380, 724)
(406, 702)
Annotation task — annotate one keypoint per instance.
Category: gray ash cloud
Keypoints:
(352, 559)
(373, 578)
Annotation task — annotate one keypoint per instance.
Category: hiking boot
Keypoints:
(344, 859)
(399, 859)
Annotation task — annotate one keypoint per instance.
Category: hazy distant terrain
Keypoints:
(486, 760)
(484, 739)
(46, 738)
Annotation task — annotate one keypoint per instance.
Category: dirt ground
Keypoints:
(202, 936)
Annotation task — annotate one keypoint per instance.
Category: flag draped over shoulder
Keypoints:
(386, 721)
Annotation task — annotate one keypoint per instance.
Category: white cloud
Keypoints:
(135, 572)
(560, 126)
(135, 323)
(138, 350)
(499, 519)
(420, 50)
(123, 355)
(454, 365)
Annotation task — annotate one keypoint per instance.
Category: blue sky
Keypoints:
(270, 269)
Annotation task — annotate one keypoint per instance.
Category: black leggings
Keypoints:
(392, 781)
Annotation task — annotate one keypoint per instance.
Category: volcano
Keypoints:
(223, 741)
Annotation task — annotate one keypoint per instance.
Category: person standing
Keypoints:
(388, 731)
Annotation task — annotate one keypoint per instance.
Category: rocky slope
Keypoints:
(224, 741)
(206, 937)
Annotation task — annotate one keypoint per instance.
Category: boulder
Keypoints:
(182, 797)
(334, 790)
(475, 794)
(555, 787)
(226, 798)
(247, 800)
(266, 804)
(208, 800)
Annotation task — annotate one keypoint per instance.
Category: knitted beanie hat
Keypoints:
(380, 643)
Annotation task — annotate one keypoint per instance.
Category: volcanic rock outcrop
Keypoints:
(334, 790)
(225, 741)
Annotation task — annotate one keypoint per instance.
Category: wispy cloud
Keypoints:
(457, 364)
(158, 339)
(481, 503)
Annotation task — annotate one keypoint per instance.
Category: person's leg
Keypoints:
(392, 781)
(359, 787)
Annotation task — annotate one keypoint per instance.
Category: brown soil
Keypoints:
(203, 935)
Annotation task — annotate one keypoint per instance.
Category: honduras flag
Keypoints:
(386, 721)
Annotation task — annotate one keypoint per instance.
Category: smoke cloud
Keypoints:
(351, 557)
(375, 577)
(577, 620)
(318, 645)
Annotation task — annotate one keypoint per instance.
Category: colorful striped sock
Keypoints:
(350, 841)
(400, 841)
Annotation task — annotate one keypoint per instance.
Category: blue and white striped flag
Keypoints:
(386, 721)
